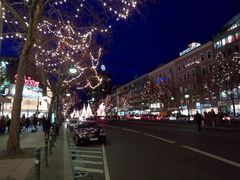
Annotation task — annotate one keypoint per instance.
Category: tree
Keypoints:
(226, 76)
(25, 20)
(158, 90)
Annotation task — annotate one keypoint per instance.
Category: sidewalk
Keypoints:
(19, 168)
(59, 162)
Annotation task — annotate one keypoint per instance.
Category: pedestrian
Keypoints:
(27, 123)
(198, 118)
(47, 128)
(212, 117)
(8, 124)
(219, 118)
(22, 123)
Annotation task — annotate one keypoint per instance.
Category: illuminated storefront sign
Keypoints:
(28, 81)
(190, 48)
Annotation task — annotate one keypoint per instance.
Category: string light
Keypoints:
(69, 42)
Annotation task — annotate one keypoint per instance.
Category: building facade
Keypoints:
(188, 77)
(227, 41)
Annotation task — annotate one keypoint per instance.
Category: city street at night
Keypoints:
(119, 90)
(160, 151)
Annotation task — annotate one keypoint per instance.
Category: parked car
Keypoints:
(134, 116)
(89, 131)
(72, 123)
(147, 117)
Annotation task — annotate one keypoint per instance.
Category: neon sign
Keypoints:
(190, 48)
(28, 81)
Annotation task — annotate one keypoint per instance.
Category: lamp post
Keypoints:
(187, 103)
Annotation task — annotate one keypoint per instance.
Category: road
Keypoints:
(152, 152)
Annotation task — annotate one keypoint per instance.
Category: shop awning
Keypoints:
(4, 100)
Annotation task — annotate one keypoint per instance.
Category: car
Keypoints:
(134, 116)
(147, 117)
(87, 132)
(72, 123)
(227, 118)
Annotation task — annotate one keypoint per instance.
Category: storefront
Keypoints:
(33, 100)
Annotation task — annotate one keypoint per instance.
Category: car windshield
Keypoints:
(87, 125)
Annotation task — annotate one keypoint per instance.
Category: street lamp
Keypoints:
(73, 70)
(187, 102)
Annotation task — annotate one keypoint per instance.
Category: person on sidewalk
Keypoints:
(219, 118)
(198, 118)
(212, 117)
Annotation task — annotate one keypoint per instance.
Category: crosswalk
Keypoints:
(87, 161)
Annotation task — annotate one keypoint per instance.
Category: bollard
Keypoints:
(46, 152)
(50, 145)
(37, 163)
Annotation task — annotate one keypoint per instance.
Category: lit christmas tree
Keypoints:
(225, 76)
(124, 102)
(157, 90)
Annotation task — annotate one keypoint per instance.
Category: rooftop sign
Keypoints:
(191, 46)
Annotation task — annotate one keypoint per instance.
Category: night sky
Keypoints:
(160, 32)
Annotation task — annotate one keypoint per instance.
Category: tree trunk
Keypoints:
(50, 108)
(13, 144)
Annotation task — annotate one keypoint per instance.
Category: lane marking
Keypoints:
(159, 138)
(130, 130)
(86, 151)
(105, 164)
(87, 156)
(85, 148)
(213, 156)
(91, 162)
(92, 170)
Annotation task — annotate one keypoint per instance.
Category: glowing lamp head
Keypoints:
(73, 70)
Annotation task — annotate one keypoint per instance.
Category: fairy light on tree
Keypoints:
(25, 20)
(157, 90)
(225, 76)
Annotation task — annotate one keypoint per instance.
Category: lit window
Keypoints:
(223, 42)
(230, 39)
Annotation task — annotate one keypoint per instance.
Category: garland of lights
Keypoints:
(72, 41)
(156, 91)
(225, 74)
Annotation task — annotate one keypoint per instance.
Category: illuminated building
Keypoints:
(227, 41)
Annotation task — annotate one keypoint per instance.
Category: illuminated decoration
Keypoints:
(124, 102)
(3, 69)
(191, 47)
(192, 63)
(62, 37)
(89, 111)
(28, 81)
(157, 90)
(83, 113)
(225, 76)
(101, 110)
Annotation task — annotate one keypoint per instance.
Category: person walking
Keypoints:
(212, 117)
(198, 118)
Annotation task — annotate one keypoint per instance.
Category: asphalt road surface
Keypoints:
(156, 152)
